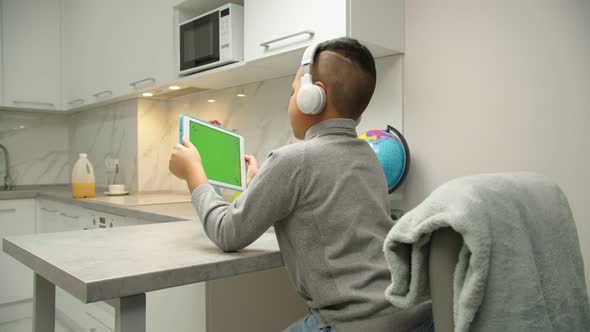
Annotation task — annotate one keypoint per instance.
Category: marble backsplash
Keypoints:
(44, 146)
(260, 116)
(38, 147)
(107, 132)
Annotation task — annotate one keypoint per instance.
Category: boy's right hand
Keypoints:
(253, 167)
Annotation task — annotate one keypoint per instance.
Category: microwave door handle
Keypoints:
(311, 34)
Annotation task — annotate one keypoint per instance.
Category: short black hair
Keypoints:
(351, 101)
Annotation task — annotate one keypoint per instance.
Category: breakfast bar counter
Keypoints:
(120, 265)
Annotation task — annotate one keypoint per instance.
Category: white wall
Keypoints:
(499, 85)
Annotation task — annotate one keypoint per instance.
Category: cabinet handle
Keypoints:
(42, 103)
(79, 101)
(68, 216)
(149, 79)
(103, 94)
(8, 210)
(48, 210)
(304, 32)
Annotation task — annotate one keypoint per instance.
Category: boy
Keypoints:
(325, 196)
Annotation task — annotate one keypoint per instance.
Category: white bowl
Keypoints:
(116, 188)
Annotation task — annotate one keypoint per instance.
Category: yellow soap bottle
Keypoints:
(83, 185)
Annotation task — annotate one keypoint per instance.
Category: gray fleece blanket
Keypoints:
(520, 268)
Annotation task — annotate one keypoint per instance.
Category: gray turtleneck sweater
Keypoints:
(327, 200)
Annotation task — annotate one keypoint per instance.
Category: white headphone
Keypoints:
(311, 98)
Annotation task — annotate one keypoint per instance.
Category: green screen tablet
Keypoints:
(222, 152)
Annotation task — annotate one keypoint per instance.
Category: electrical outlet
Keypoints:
(111, 163)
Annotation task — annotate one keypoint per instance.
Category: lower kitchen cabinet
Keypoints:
(46, 220)
(60, 217)
(179, 309)
(17, 217)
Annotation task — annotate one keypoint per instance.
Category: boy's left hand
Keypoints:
(185, 160)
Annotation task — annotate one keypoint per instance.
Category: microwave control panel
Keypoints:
(224, 28)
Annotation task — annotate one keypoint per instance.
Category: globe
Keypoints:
(392, 152)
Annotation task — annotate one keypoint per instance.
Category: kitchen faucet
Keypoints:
(7, 179)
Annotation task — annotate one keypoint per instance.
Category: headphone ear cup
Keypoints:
(311, 99)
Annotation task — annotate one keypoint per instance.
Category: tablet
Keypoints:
(221, 150)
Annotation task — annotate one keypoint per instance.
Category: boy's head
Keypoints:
(345, 70)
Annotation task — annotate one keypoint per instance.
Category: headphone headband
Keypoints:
(307, 59)
(310, 98)
(308, 55)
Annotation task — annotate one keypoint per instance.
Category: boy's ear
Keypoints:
(321, 85)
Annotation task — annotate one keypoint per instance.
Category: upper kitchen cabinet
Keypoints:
(1, 74)
(115, 48)
(31, 54)
(81, 57)
(277, 26)
(148, 43)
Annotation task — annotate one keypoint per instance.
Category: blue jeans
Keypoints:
(309, 324)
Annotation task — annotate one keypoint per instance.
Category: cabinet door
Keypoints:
(1, 69)
(134, 51)
(72, 310)
(179, 309)
(31, 36)
(71, 218)
(76, 52)
(146, 56)
(59, 217)
(268, 20)
(47, 217)
(87, 52)
(119, 221)
(102, 316)
(17, 217)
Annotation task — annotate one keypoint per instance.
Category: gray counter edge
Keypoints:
(75, 287)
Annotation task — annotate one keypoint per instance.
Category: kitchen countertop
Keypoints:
(144, 199)
(152, 206)
(135, 259)
(122, 261)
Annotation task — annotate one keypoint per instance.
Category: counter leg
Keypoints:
(43, 305)
(130, 314)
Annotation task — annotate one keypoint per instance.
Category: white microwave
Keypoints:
(213, 39)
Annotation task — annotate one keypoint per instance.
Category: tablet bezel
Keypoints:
(184, 132)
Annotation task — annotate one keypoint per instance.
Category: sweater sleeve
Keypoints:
(271, 196)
